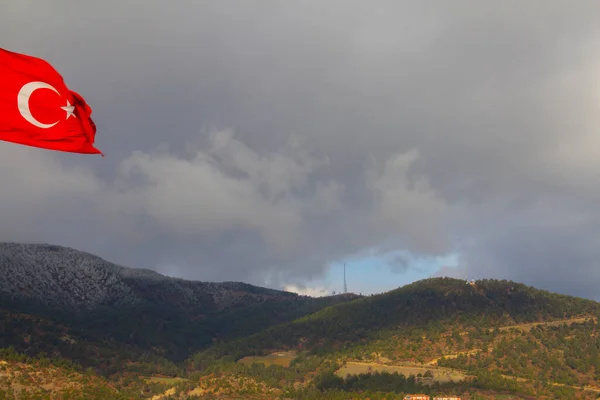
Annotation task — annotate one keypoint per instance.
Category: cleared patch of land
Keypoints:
(282, 359)
(439, 374)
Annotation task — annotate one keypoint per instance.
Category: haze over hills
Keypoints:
(142, 334)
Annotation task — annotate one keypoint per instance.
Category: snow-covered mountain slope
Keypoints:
(66, 278)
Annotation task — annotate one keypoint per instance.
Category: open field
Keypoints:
(284, 361)
(439, 374)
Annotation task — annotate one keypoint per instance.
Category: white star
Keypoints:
(69, 109)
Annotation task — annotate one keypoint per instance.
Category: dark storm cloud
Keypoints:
(260, 141)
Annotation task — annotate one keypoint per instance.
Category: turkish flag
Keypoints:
(37, 109)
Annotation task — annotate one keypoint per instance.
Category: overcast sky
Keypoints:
(263, 141)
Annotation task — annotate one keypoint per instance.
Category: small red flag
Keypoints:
(37, 109)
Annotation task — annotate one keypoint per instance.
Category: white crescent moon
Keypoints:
(23, 102)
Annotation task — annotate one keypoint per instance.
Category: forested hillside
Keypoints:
(429, 305)
(50, 293)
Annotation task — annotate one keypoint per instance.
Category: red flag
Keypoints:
(37, 109)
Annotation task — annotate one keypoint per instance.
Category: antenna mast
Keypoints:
(345, 287)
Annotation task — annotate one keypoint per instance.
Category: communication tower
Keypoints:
(345, 287)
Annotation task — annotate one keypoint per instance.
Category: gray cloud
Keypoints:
(452, 271)
(261, 141)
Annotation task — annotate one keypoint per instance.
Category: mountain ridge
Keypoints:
(80, 281)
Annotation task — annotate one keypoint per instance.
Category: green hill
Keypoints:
(430, 305)
(497, 336)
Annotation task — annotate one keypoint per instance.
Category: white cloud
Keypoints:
(409, 208)
(224, 187)
(308, 291)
